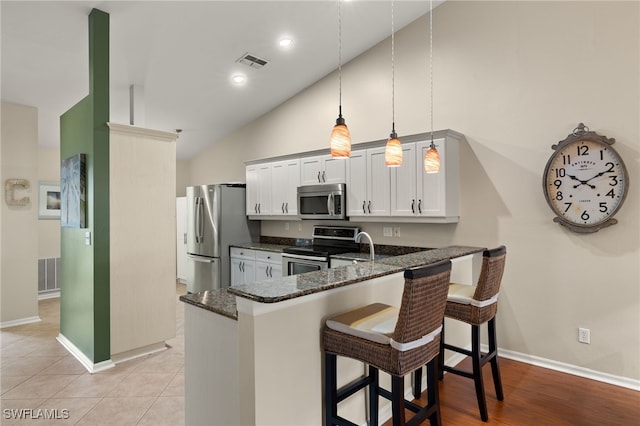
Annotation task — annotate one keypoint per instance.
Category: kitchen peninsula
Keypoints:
(253, 352)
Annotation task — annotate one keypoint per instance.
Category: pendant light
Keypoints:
(393, 150)
(340, 137)
(431, 157)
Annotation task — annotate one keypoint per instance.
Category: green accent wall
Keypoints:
(84, 275)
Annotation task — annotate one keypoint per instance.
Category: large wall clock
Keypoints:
(585, 181)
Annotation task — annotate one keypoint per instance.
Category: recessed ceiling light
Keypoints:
(239, 79)
(285, 42)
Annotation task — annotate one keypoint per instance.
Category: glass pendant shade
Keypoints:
(432, 160)
(340, 140)
(393, 151)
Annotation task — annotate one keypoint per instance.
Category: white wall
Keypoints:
(19, 270)
(515, 78)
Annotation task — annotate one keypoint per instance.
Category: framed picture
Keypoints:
(73, 197)
(48, 200)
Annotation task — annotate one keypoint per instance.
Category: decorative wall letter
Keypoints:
(9, 187)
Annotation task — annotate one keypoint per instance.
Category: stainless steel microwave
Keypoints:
(326, 201)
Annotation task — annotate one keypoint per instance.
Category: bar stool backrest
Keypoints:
(421, 312)
(493, 262)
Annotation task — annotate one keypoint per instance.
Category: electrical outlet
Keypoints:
(286, 226)
(584, 335)
(387, 231)
(396, 231)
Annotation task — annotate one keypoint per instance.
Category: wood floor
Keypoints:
(537, 396)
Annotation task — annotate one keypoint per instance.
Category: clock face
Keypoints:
(585, 183)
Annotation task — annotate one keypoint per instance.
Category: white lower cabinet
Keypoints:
(268, 265)
(243, 266)
(254, 265)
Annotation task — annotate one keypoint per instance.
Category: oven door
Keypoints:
(293, 264)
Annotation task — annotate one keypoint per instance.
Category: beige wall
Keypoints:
(515, 78)
(48, 230)
(19, 271)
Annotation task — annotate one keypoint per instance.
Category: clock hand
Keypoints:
(582, 182)
(598, 175)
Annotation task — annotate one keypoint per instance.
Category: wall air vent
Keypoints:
(252, 60)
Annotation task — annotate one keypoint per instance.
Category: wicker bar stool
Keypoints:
(396, 341)
(477, 305)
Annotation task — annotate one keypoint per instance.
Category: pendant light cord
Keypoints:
(393, 73)
(340, 56)
(431, 66)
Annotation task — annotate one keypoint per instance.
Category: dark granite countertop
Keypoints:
(359, 256)
(260, 246)
(219, 301)
(290, 287)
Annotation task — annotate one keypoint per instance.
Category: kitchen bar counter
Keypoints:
(219, 301)
(285, 288)
(240, 366)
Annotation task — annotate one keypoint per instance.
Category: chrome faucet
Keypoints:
(364, 234)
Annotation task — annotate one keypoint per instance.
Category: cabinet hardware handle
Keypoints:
(286, 207)
(282, 207)
(319, 181)
(324, 176)
(266, 271)
(259, 207)
(255, 208)
(413, 206)
(241, 265)
(364, 203)
(420, 206)
(369, 207)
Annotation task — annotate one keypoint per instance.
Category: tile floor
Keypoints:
(38, 374)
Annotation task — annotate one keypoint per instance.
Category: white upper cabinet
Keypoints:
(375, 192)
(258, 189)
(433, 196)
(368, 184)
(285, 178)
(322, 169)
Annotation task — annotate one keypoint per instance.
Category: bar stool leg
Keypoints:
(417, 383)
(441, 354)
(433, 396)
(373, 396)
(397, 401)
(493, 350)
(477, 371)
(330, 389)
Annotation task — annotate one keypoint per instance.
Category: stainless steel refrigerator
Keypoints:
(216, 218)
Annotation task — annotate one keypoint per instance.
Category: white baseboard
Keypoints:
(575, 370)
(49, 295)
(139, 352)
(84, 360)
(21, 321)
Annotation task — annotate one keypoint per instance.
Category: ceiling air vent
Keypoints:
(252, 60)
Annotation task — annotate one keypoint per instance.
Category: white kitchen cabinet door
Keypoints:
(357, 184)
(181, 239)
(285, 178)
(404, 200)
(243, 265)
(335, 169)
(379, 183)
(258, 177)
(368, 184)
(322, 169)
(438, 192)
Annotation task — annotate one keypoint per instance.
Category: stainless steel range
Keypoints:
(327, 240)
